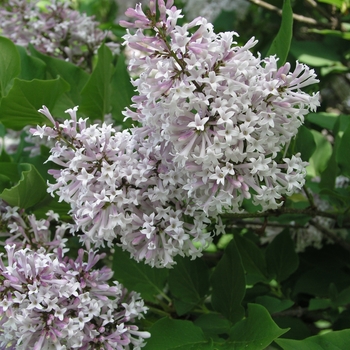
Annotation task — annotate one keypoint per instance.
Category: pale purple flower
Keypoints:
(26, 231)
(53, 302)
(119, 186)
(223, 105)
(216, 122)
(58, 30)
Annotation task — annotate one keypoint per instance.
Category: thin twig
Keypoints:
(282, 211)
(309, 197)
(246, 223)
(295, 312)
(299, 18)
(333, 20)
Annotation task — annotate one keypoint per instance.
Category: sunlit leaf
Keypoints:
(323, 119)
(31, 67)
(305, 143)
(30, 189)
(9, 64)
(314, 53)
(96, 94)
(20, 107)
(121, 92)
(320, 157)
(281, 44)
(75, 76)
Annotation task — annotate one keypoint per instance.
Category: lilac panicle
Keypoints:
(215, 125)
(224, 114)
(52, 302)
(58, 30)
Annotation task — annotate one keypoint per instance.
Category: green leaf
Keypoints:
(224, 240)
(298, 329)
(228, 284)
(314, 53)
(10, 170)
(5, 182)
(73, 75)
(2, 132)
(320, 157)
(274, 305)
(20, 107)
(343, 150)
(143, 278)
(31, 67)
(213, 324)
(10, 65)
(30, 189)
(338, 340)
(281, 258)
(323, 119)
(52, 203)
(252, 258)
(4, 157)
(339, 198)
(319, 304)
(336, 68)
(255, 332)
(330, 258)
(311, 283)
(343, 321)
(336, 33)
(343, 298)
(305, 143)
(341, 124)
(337, 3)
(188, 282)
(176, 334)
(121, 92)
(281, 44)
(95, 96)
(329, 174)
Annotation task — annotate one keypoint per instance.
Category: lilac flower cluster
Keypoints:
(118, 186)
(215, 123)
(51, 302)
(224, 115)
(26, 231)
(57, 30)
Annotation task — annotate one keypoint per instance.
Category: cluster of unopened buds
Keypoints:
(215, 123)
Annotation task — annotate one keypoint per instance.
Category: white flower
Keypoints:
(198, 123)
